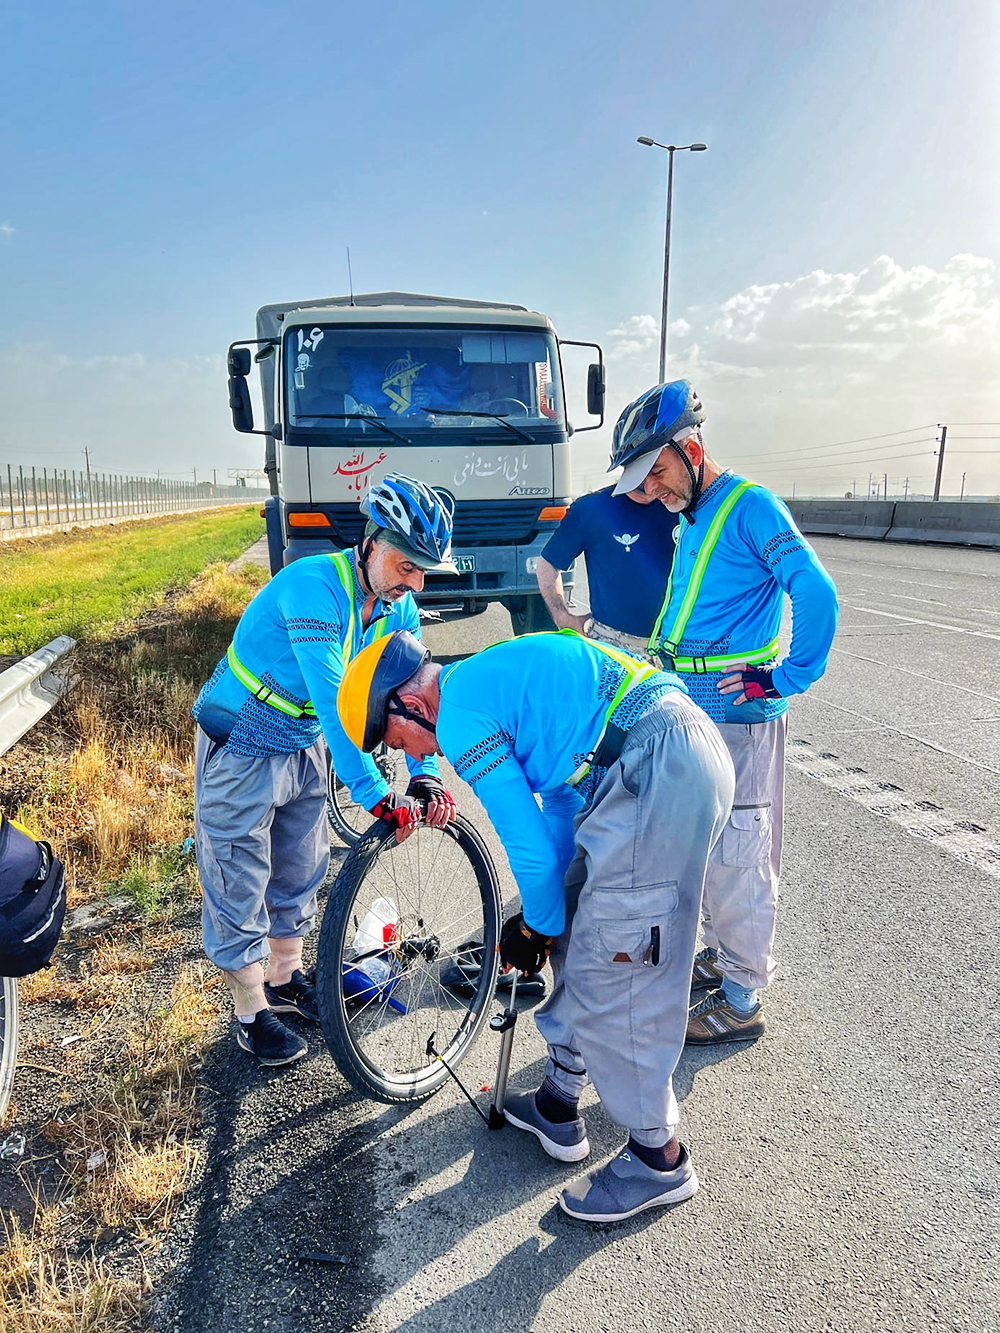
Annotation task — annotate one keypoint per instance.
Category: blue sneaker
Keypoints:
(270, 1041)
(626, 1186)
(566, 1143)
(297, 996)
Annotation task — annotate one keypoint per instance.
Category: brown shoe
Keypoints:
(706, 975)
(714, 1020)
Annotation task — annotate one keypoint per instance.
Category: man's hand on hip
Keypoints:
(751, 682)
(440, 802)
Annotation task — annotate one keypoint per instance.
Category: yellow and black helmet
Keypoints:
(370, 681)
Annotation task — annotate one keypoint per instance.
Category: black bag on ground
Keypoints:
(32, 901)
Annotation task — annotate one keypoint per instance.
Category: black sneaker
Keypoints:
(297, 996)
(463, 972)
(270, 1041)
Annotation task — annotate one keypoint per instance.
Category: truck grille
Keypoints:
(477, 522)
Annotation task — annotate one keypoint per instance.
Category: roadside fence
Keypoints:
(32, 498)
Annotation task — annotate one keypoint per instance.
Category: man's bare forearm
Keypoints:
(550, 585)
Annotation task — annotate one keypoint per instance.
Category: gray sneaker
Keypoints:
(625, 1187)
(566, 1143)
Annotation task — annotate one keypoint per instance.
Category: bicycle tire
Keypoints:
(8, 1040)
(362, 1049)
(348, 820)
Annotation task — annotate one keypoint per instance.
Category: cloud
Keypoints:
(6, 231)
(829, 356)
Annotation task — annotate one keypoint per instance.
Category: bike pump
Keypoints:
(504, 1024)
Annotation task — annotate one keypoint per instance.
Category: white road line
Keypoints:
(933, 624)
(879, 725)
(968, 842)
(922, 675)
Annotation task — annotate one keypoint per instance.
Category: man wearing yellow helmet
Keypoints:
(260, 761)
(636, 786)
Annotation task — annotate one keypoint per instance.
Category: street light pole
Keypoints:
(670, 149)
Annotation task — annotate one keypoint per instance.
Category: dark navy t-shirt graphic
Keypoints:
(628, 548)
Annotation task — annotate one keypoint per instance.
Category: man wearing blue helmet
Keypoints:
(260, 762)
(738, 554)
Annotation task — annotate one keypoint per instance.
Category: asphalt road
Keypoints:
(849, 1161)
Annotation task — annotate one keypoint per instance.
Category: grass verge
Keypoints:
(82, 583)
(109, 1107)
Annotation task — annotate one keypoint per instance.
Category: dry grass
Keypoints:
(42, 1293)
(108, 776)
(107, 779)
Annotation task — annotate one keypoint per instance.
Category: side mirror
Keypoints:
(239, 361)
(595, 389)
(239, 398)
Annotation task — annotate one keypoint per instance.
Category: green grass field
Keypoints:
(84, 582)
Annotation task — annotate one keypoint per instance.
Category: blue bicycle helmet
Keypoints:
(417, 518)
(650, 424)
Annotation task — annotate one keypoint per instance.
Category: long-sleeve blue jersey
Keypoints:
(293, 637)
(517, 719)
(760, 556)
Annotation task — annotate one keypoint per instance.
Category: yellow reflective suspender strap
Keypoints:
(347, 581)
(260, 691)
(635, 672)
(267, 696)
(717, 661)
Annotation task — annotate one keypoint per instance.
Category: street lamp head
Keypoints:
(644, 140)
(699, 147)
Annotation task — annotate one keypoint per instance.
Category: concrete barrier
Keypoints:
(960, 523)
(869, 519)
(951, 522)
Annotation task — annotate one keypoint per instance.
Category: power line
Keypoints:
(853, 459)
(862, 440)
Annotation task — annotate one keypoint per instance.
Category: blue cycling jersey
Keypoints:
(516, 720)
(760, 556)
(293, 637)
(628, 548)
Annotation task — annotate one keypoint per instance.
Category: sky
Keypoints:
(834, 286)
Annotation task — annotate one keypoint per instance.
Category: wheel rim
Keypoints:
(442, 903)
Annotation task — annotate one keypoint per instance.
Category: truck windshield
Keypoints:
(487, 379)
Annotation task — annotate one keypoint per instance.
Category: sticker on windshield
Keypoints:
(398, 383)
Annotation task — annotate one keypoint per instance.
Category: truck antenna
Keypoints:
(350, 277)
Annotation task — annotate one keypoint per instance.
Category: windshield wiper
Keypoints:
(493, 416)
(358, 416)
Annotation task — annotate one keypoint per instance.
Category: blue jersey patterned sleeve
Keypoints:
(770, 529)
(314, 617)
(482, 753)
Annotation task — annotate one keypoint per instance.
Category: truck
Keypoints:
(467, 396)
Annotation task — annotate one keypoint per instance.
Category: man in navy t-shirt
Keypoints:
(629, 545)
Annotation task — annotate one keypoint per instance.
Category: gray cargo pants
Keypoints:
(263, 847)
(617, 1014)
(741, 888)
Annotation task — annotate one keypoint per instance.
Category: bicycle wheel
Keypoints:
(382, 1007)
(8, 1040)
(349, 821)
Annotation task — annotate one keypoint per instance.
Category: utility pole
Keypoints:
(214, 478)
(962, 493)
(869, 495)
(940, 458)
(885, 485)
(906, 487)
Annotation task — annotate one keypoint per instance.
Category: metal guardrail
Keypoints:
(29, 688)
(33, 497)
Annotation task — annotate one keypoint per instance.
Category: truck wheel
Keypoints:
(471, 607)
(529, 615)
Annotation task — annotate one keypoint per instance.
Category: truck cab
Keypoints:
(464, 395)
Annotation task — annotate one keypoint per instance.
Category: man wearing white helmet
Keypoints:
(738, 554)
(260, 762)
